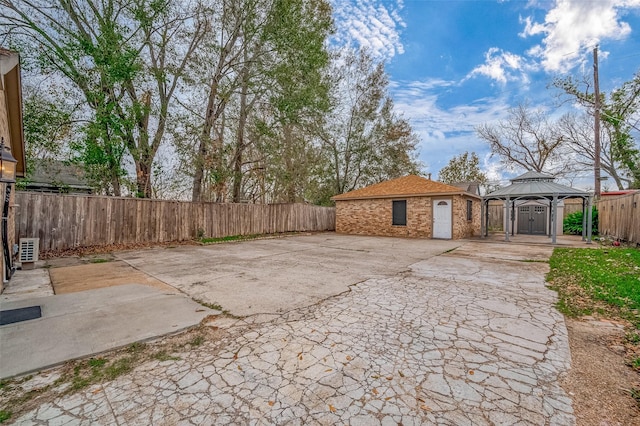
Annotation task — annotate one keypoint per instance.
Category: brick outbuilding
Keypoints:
(410, 206)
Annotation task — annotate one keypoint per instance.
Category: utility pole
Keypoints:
(596, 127)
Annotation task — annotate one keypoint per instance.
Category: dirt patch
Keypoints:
(71, 279)
(109, 248)
(599, 382)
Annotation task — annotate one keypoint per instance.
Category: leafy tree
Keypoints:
(119, 54)
(463, 168)
(619, 112)
(47, 125)
(363, 140)
(578, 130)
(527, 139)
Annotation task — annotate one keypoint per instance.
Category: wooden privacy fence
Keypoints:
(619, 217)
(66, 221)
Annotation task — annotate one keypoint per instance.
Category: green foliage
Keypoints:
(205, 240)
(46, 126)
(572, 224)
(4, 415)
(462, 168)
(603, 280)
(164, 356)
(618, 115)
(197, 340)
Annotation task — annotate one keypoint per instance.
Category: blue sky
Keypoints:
(456, 64)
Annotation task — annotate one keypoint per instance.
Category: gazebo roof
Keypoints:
(533, 176)
(534, 185)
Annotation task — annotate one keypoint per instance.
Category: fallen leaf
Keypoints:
(328, 370)
(401, 373)
(239, 368)
(420, 399)
(387, 398)
(332, 408)
(389, 377)
(349, 358)
(235, 356)
(271, 403)
(425, 407)
(375, 377)
(471, 372)
(96, 391)
(374, 391)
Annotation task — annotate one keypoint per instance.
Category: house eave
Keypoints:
(398, 196)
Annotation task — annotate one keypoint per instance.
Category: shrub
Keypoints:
(573, 223)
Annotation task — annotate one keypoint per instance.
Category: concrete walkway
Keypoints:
(80, 324)
(457, 339)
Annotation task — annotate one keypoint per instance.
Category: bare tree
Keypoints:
(528, 139)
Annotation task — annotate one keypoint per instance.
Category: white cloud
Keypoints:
(572, 27)
(371, 24)
(444, 132)
(503, 66)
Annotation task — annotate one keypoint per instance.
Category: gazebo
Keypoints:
(547, 193)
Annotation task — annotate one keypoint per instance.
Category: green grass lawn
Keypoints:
(601, 280)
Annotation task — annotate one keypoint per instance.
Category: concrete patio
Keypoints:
(434, 332)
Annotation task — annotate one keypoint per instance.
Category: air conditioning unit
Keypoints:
(28, 252)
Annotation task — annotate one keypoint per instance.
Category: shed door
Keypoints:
(532, 220)
(442, 219)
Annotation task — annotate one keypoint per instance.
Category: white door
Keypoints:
(442, 219)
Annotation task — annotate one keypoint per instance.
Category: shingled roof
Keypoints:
(406, 186)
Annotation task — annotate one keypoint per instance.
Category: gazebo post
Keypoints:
(589, 219)
(584, 220)
(482, 219)
(507, 210)
(554, 218)
(486, 219)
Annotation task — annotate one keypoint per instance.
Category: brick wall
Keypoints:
(462, 228)
(374, 217)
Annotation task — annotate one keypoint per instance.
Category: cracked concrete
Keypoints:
(455, 339)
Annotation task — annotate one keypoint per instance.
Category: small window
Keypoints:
(469, 210)
(400, 213)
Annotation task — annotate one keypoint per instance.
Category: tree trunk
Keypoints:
(242, 121)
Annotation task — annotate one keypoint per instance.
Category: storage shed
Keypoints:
(410, 206)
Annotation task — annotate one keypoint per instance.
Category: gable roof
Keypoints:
(57, 176)
(471, 187)
(406, 186)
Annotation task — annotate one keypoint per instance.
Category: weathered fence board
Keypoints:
(67, 221)
(619, 217)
